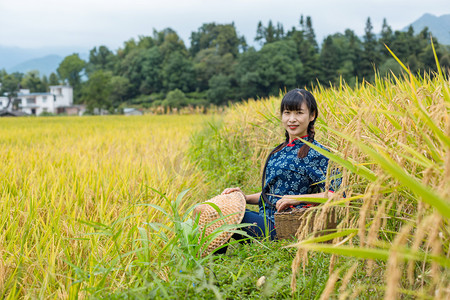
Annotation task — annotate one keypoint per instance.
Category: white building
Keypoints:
(3, 102)
(58, 100)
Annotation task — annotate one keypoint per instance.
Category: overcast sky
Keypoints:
(89, 23)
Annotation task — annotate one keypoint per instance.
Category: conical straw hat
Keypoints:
(232, 204)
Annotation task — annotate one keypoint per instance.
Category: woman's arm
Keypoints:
(253, 198)
(287, 201)
(250, 199)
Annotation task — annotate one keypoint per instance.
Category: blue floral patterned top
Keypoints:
(286, 174)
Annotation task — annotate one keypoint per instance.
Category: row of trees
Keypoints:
(219, 66)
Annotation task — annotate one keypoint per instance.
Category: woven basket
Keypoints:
(287, 223)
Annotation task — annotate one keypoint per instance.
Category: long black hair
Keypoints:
(293, 100)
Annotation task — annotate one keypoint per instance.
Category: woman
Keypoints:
(292, 168)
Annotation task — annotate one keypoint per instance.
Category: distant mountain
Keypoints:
(42, 59)
(11, 56)
(45, 65)
(438, 26)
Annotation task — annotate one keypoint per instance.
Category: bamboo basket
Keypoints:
(287, 223)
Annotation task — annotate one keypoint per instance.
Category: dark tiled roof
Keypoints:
(34, 94)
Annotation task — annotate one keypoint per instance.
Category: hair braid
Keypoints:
(303, 151)
(311, 132)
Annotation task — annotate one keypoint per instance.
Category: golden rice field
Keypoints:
(64, 178)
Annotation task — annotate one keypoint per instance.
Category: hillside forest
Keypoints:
(219, 67)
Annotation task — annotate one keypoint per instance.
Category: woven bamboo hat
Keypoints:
(231, 205)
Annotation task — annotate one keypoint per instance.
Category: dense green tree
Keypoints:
(45, 83)
(260, 33)
(169, 42)
(208, 63)
(404, 45)
(411, 46)
(246, 75)
(387, 37)
(53, 79)
(146, 42)
(330, 60)
(10, 85)
(97, 91)
(178, 73)
(221, 37)
(370, 57)
(175, 99)
(308, 57)
(306, 46)
(33, 82)
(353, 54)
(128, 46)
(3, 73)
(444, 61)
(152, 63)
(227, 40)
(101, 59)
(219, 89)
(269, 34)
(389, 67)
(279, 32)
(70, 70)
(144, 68)
(118, 87)
(426, 58)
(399, 45)
(278, 67)
(343, 53)
(143, 42)
(424, 51)
(310, 35)
(131, 68)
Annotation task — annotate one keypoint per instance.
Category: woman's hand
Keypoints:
(231, 190)
(285, 202)
(249, 199)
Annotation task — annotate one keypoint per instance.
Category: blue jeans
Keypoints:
(257, 231)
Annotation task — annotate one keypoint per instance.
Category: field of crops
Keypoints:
(62, 179)
(88, 207)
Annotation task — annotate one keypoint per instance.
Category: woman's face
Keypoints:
(296, 121)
